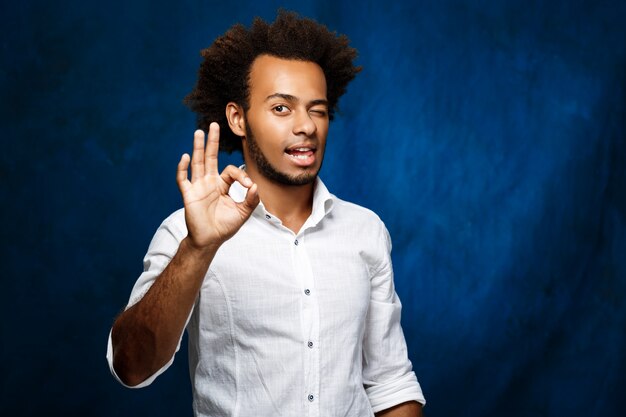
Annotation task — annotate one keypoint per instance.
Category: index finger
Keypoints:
(212, 148)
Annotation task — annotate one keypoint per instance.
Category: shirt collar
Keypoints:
(323, 201)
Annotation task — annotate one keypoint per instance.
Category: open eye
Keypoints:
(280, 109)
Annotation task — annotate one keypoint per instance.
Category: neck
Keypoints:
(292, 204)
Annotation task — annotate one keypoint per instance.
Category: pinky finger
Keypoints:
(181, 171)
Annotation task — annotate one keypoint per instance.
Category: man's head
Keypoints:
(286, 124)
(224, 75)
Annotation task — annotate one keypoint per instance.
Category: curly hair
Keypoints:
(224, 74)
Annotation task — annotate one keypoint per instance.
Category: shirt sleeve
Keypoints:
(162, 249)
(387, 371)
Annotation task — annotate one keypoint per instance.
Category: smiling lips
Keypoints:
(301, 155)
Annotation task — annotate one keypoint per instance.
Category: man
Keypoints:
(286, 291)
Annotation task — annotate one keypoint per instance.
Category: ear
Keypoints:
(236, 121)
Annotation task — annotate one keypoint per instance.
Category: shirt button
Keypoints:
(267, 216)
(310, 344)
(307, 291)
(296, 242)
(311, 397)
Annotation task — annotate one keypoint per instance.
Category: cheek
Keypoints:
(322, 131)
(269, 134)
(271, 126)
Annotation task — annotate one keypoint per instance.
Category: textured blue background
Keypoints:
(489, 136)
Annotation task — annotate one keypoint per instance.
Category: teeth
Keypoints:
(300, 156)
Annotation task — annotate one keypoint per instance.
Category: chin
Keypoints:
(300, 179)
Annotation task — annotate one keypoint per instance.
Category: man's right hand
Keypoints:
(212, 216)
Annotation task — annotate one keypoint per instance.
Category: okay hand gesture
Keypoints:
(212, 216)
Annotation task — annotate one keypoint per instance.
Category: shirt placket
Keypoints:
(310, 326)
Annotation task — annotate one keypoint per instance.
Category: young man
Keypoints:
(286, 291)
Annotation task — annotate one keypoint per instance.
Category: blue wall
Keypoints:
(489, 136)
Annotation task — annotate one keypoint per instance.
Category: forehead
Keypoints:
(302, 79)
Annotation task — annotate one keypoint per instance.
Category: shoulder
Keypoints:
(342, 211)
(361, 223)
(354, 213)
(366, 232)
(176, 220)
(173, 226)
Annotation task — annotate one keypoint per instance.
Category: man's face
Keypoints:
(287, 120)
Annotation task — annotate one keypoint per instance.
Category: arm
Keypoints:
(146, 335)
(408, 409)
(388, 374)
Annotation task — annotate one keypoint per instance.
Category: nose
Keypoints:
(303, 124)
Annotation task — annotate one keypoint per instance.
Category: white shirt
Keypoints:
(293, 325)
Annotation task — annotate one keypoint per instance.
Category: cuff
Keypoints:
(391, 393)
(142, 384)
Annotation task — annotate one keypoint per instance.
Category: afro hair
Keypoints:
(224, 73)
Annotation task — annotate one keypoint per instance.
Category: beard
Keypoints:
(268, 170)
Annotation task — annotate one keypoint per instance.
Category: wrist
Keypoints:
(199, 250)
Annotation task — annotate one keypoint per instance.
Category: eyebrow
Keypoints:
(292, 99)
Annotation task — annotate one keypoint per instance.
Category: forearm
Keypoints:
(408, 409)
(145, 336)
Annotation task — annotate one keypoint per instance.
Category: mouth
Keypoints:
(302, 156)
(301, 152)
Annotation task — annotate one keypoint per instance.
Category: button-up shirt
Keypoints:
(293, 325)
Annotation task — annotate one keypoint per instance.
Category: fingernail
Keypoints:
(247, 181)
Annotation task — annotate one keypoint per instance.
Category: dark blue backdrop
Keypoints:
(489, 136)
